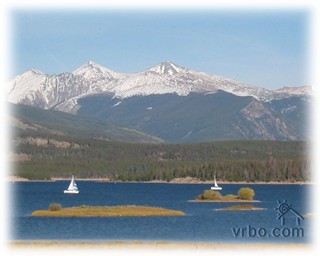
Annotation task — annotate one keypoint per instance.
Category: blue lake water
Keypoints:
(201, 223)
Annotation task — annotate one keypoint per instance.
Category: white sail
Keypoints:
(73, 188)
(215, 187)
(215, 182)
(70, 185)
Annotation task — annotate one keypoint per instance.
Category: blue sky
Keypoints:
(267, 49)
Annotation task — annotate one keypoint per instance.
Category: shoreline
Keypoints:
(174, 181)
(152, 245)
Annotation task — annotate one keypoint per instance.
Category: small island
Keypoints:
(245, 195)
(241, 207)
(56, 210)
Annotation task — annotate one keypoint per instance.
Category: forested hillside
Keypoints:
(60, 156)
(43, 121)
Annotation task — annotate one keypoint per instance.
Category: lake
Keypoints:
(201, 223)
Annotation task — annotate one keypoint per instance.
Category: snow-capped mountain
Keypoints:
(47, 91)
(301, 90)
(162, 79)
(95, 72)
(173, 103)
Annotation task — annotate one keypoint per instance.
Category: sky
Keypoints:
(263, 48)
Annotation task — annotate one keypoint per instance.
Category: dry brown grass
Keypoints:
(108, 211)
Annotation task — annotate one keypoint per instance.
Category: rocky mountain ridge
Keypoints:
(62, 91)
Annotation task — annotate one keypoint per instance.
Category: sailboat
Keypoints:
(73, 188)
(215, 187)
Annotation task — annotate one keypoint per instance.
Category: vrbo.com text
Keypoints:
(250, 231)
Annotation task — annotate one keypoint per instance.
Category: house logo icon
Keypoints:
(284, 209)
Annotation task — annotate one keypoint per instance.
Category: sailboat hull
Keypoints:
(216, 188)
(71, 192)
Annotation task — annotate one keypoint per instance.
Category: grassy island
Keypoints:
(241, 207)
(106, 211)
(245, 195)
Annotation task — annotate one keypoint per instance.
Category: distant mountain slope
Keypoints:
(41, 121)
(167, 101)
(199, 117)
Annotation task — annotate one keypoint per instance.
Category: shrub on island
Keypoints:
(246, 193)
(210, 195)
(55, 207)
(243, 194)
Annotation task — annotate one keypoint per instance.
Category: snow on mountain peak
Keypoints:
(21, 85)
(166, 68)
(36, 88)
(302, 90)
(92, 70)
(31, 72)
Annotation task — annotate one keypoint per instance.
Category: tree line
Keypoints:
(228, 160)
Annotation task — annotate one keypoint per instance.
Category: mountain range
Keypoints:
(170, 103)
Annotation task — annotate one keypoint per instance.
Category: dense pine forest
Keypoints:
(60, 156)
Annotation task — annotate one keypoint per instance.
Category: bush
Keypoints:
(200, 197)
(246, 193)
(211, 195)
(55, 207)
